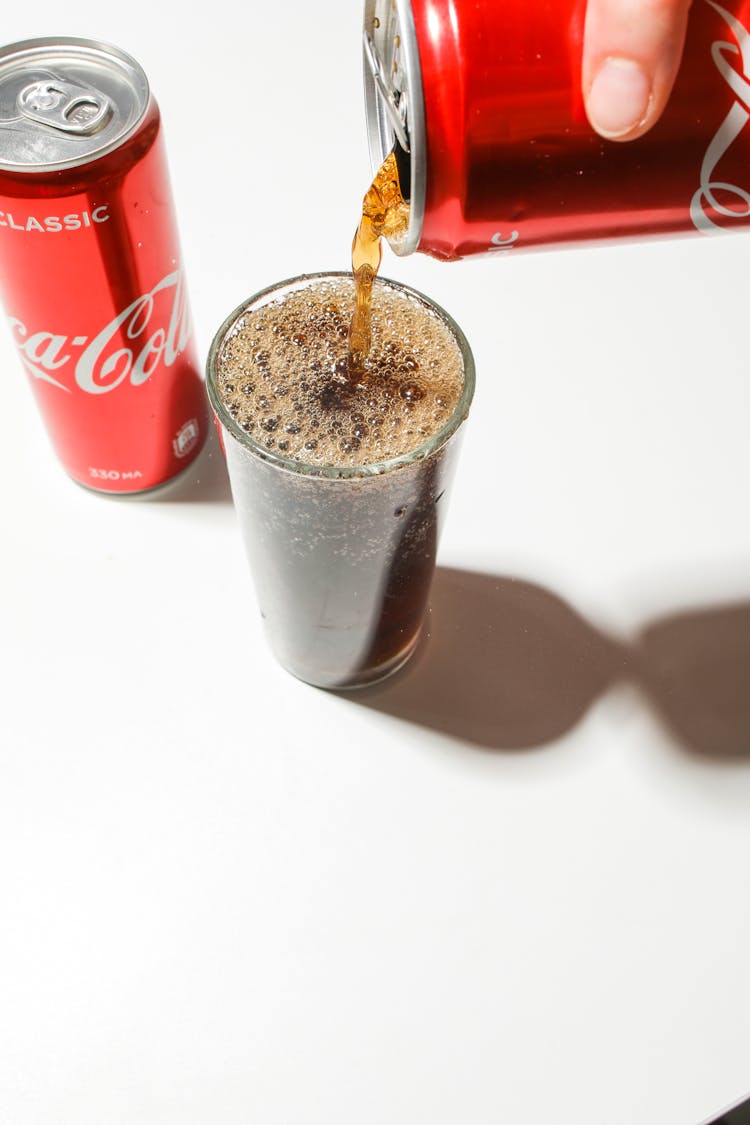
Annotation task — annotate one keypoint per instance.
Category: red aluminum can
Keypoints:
(90, 270)
(483, 104)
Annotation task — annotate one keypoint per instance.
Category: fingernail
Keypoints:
(619, 97)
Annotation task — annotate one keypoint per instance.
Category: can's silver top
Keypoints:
(65, 102)
(394, 103)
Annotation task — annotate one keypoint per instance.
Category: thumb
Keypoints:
(631, 55)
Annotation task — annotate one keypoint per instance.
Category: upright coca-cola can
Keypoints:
(483, 103)
(90, 269)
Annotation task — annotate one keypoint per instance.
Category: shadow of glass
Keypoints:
(695, 667)
(507, 665)
(205, 482)
(738, 1114)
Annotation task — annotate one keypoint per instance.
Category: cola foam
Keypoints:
(284, 374)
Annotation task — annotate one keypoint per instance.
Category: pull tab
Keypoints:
(394, 100)
(79, 110)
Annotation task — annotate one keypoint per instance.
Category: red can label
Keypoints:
(511, 162)
(95, 298)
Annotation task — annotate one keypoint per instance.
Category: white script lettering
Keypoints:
(707, 195)
(154, 329)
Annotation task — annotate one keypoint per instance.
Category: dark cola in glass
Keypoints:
(340, 471)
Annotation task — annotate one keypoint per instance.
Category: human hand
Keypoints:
(631, 55)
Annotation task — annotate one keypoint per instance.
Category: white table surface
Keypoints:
(509, 887)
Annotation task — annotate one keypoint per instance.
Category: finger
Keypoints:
(631, 55)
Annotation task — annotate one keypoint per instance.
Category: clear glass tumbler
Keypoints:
(342, 556)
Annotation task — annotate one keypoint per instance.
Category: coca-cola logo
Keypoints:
(723, 199)
(153, 330)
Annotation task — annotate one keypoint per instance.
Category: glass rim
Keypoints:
(338, 472)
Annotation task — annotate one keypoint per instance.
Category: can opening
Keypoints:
(403, 163)
(394, 104)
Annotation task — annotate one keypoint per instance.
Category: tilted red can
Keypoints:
(90, 267)
(483, 102)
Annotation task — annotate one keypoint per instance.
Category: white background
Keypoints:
(512, 886)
